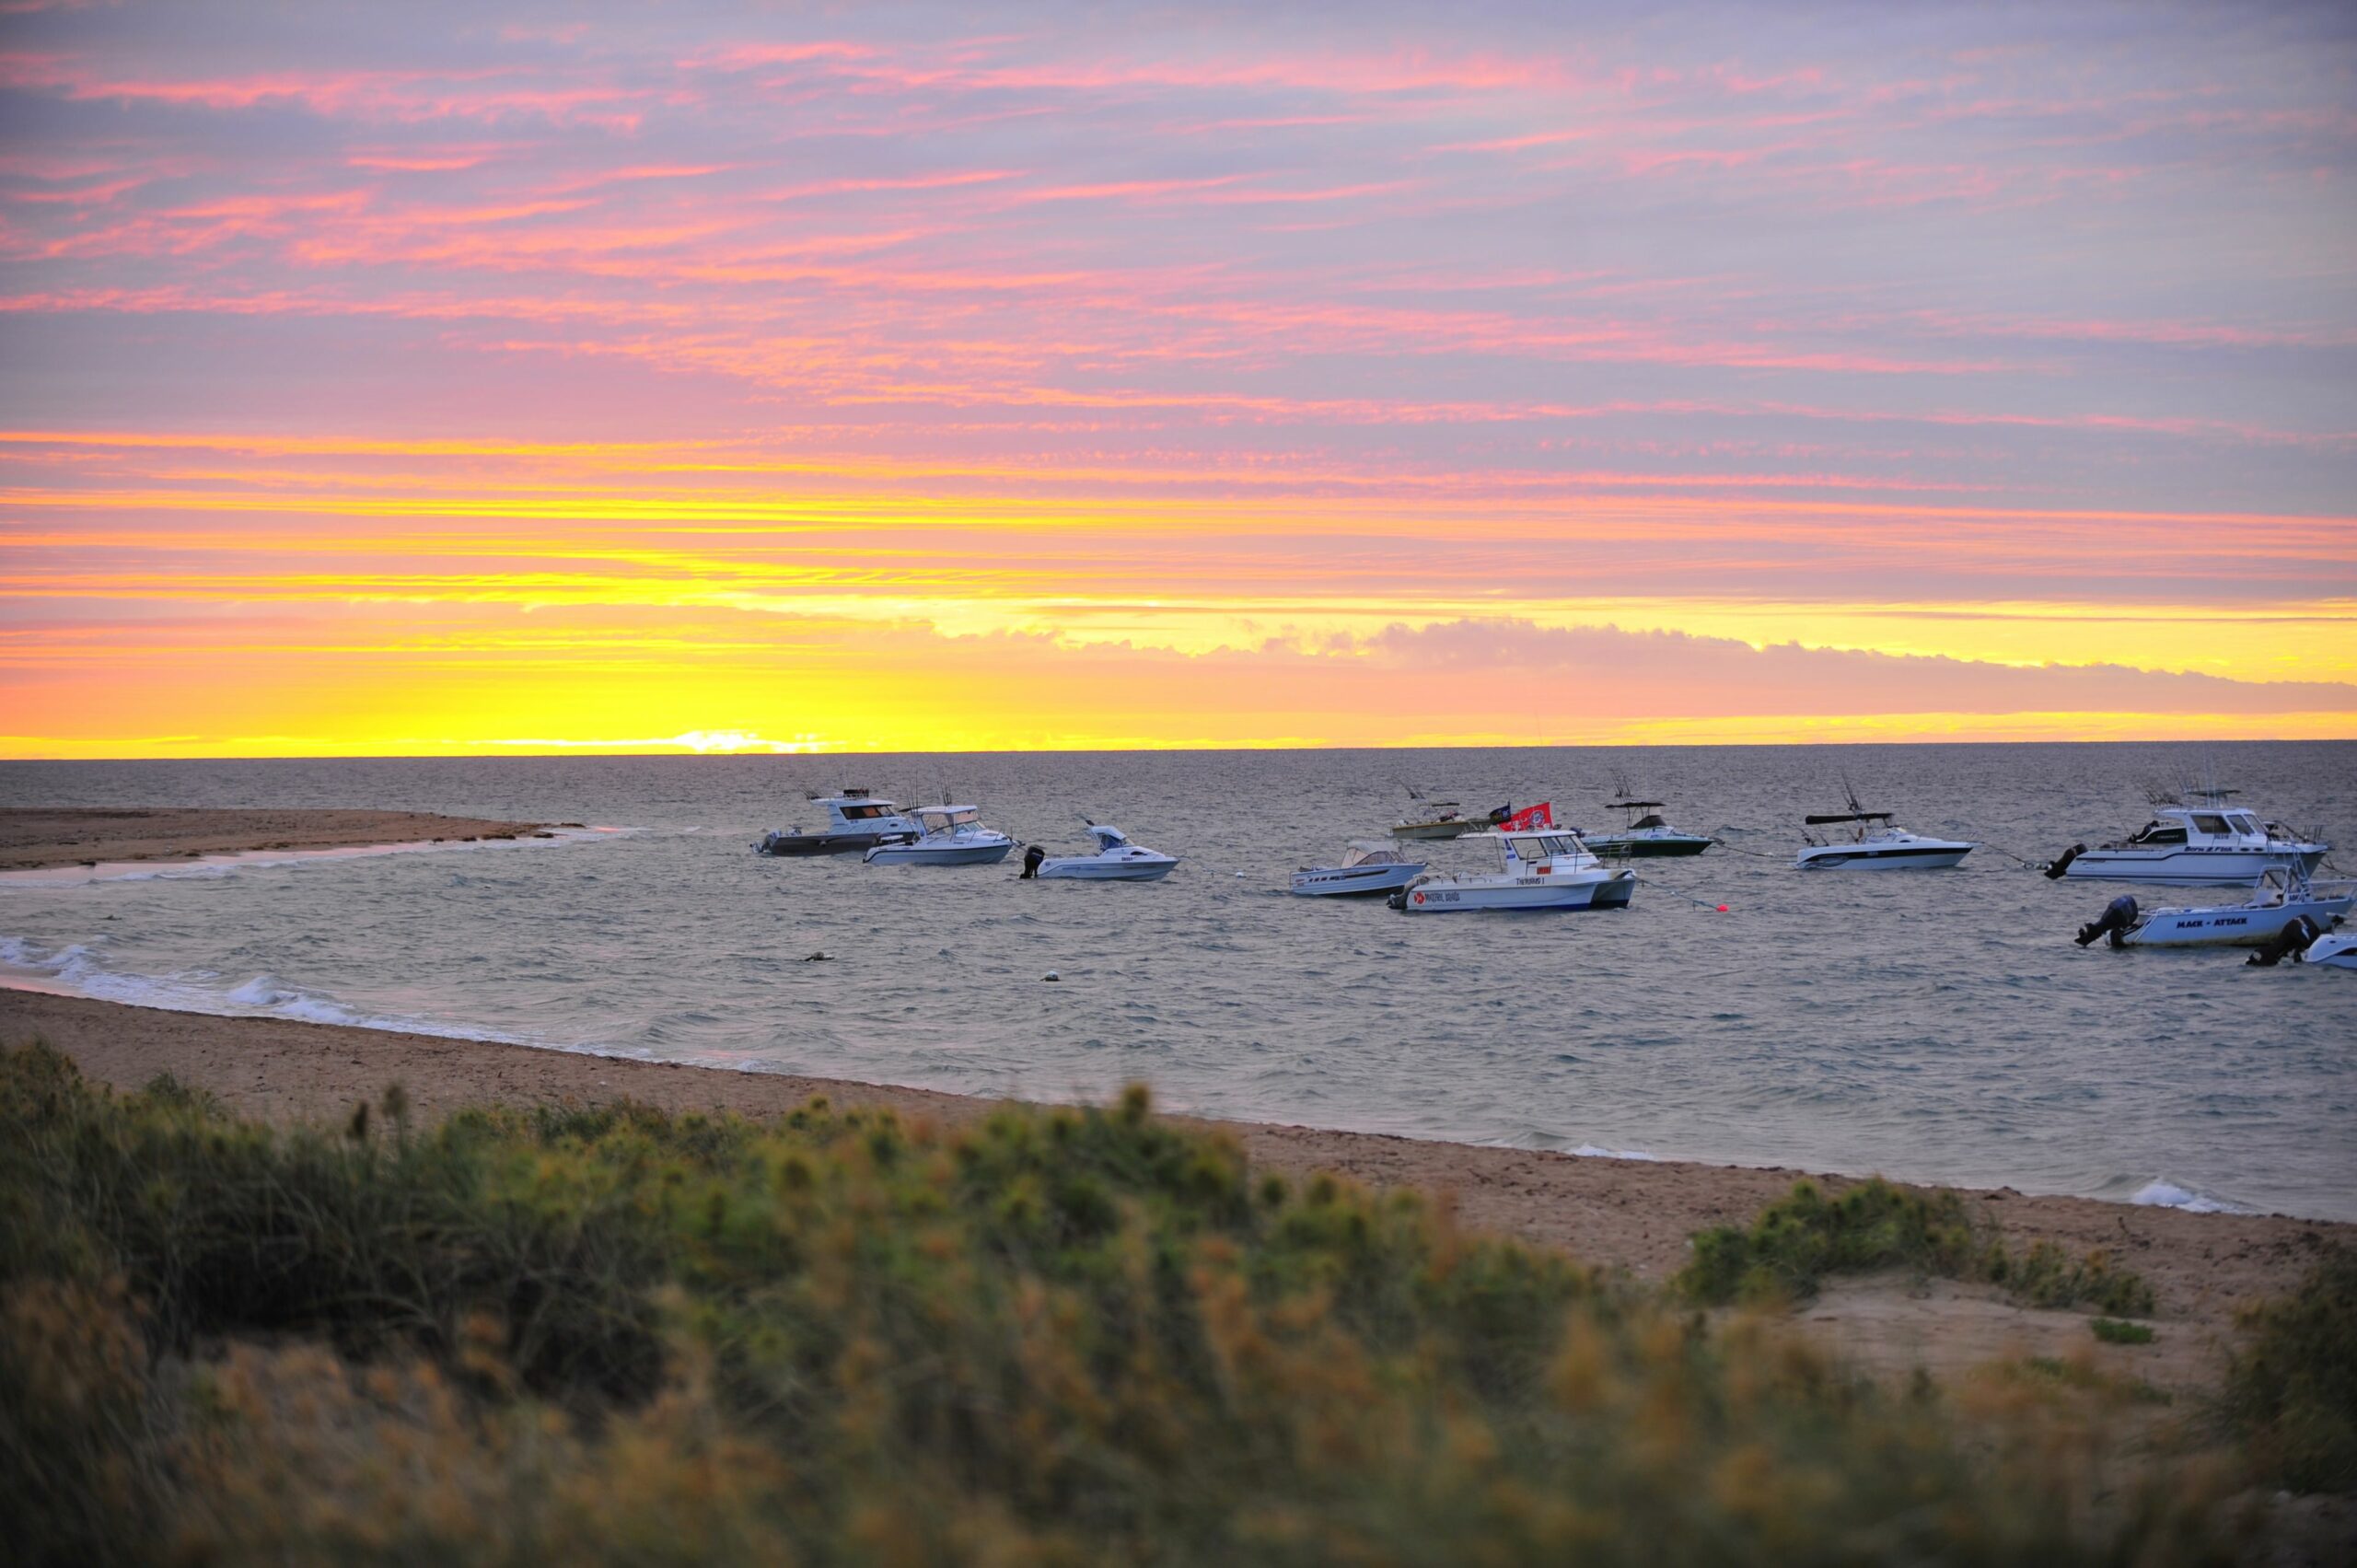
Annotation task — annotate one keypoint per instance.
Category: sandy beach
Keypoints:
(1630, 1215)
(33, 838)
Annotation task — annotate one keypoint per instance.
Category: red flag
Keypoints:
(1540, 816)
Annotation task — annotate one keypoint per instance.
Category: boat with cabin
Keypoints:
(1643, 836)
(1538, 868)
(2284, 899)
(1368, 867)
(1115, 859)
(954, 835)
(2211, 844)
(856, 819)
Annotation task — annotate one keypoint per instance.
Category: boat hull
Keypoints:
(795, 845)
(1613, 847)
(1433, 831)
(1087, 869)
(2229, 926)
(2336, 951)
(2188, 866)
(1868, 857)
(1607, 890)
(1353, 881)
(923, 854)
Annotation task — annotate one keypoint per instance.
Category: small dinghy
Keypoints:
(954, 835)
(1116, 860)
(2284, 895)
(1539, 868)
(1368, 868)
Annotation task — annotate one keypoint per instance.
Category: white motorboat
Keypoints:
(1367, 868)
(2282, 898)
(1538, 868)
(1871, 844)
(2337, 950)
(954, 835)
(1643, 836)
(855, 821)
(2213, 843)
(1116, 860)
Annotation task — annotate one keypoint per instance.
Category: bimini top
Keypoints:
(1819, 819)
(1369, 852)
(951, 814)
(1636, 804)
(1108, 836)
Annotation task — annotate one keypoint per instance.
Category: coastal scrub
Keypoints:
(615, 1335)
(1787, 1251)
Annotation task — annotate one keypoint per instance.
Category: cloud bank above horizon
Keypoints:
(488, 377)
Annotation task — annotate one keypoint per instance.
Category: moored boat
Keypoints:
(855, 821)
(1368, 867)
(1539, 868)
(954, 835)
(1115, 859)
(2282, 899)
(2211, 844)
(1430, 818)
(1643, 836)
(1870, 843)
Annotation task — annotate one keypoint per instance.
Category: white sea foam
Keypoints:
(78, 971)
(1590, 1151)
(2164, 1194)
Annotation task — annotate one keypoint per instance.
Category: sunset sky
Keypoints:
(492, 377)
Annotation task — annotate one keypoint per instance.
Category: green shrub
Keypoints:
(2292, 1385)
(1066, 1335)
(2111, 1331)
(1786, 1253)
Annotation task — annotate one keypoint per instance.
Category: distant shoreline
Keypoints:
(40, 838)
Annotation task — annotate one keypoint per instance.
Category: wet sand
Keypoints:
(38, 837)
(1622, 1213)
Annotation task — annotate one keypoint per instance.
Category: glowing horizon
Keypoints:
(572, 380)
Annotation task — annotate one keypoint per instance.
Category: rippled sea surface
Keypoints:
(1935, 1026)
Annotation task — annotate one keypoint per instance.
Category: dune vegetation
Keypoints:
(614, 1335)
(1788, 1250)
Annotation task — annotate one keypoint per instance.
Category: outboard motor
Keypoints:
(2117, 916)
(2061, 862)
(1398, 899)
(2298, 932)
(1032, 855)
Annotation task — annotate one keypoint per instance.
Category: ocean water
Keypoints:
(1934, 1026)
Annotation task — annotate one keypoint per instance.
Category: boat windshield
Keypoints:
(1540, 846)
(2243, 822)
(2210, 823)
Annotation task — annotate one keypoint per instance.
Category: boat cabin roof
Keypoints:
(2215, 821)
(953, 813)
(1108, 836)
